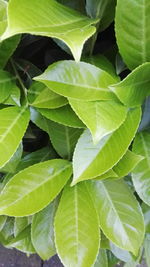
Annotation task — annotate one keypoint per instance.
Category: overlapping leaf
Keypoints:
(14, 122)
(141, 174)
(49, 18)
(98, 116)
(120, 215)
(133, 31)
(90, 161)
(34, 188)
(135, 87)
(78, 80)
(76, 228)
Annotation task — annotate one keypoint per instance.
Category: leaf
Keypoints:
(75, 4)
(135, 87)
(37, 156)
(64, 139)
(42, 97)
(2, 222)
(20, 224)
(3, 16)
(102, 9)
(60, 22)
(14, 98)
(101, 260)
(8, 229)
(141, 173)
(78, 80)
(109, 174)
(98, 115)
(146, 250)
(133, 41)
(11, 166)
(77, 242)
(14, 122)
(120, 215)
(34, 188)
(6, 85)
(64, 115)
(103, 63)
(128, 162)
(102, 157)
(146, 213)
(42, 232)
(121, 254)
(7, 48)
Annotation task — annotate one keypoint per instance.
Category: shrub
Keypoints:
(74, 130)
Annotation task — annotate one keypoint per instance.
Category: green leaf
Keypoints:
(7, 48)
(103, 63)
(78, 80)
(2, 221)
(20, 224)
(133, 41)
(128, 162)
(3, 16)
(141, 173)
(37, 156)
(98, 115)
(102, 157)
(120, 215)
(14, 122)
(42, 97)
(11, 166)
(42, 232)
(146, 213)
(109, 174)
(76, 228)
(102, 9)
(64, 139)
(8, 228)
(14, 98)
(135, 87)
(34, 188)
(50, 19)
(121, 254)
(146, 249)
(7, 82)
(75, 4)
(64, 115)
(101, 260)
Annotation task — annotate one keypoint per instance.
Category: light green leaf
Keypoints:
(141, 173)
(42, 97)
(51, 19)
(101, 260)
(34, 188)
(78, 80)
(76, 228)
(42, 231)
(64, 115)
(13, 124)
(90, 161)
(7, 82)
(128, 162)
(135, 87)
(11, 166)
(120, 215)
(37, 156)
(146, 213)
(109, 174)
(102, 9)
(101, 117)
(103, 63)
(64, 139)
(133, 41)
(147, 249)
(3, 16)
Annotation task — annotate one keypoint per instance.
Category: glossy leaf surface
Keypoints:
(133, 41)
(77, 242)
(14, 122)
(7, 82)
(103, 156)
(43, 232)
(89, 83)
(50, 19)
(34, 188)
(120, 215)
(141, 174)
(98, 115)
(135, 87)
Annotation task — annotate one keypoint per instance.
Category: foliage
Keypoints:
(74, 130)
